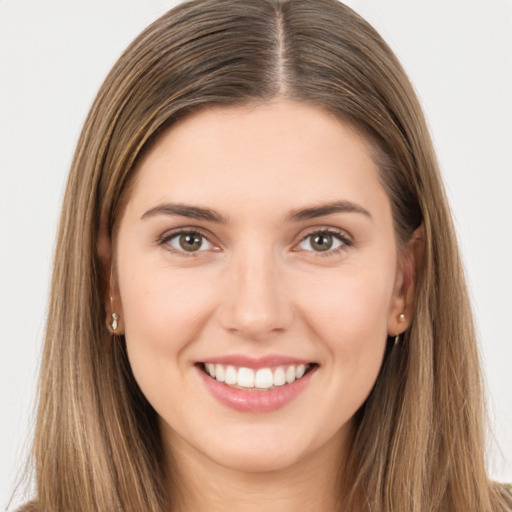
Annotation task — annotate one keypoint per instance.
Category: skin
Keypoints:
(258, 286)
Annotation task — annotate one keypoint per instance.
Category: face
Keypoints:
(257, 281)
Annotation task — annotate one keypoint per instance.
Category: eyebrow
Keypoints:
(206, 214)
(327, 209)
(183, 210)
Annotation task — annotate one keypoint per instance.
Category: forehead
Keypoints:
(279, 154)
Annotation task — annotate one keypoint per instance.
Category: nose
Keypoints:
(256, 304)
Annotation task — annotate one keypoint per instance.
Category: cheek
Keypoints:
(349, 301)
(163, 312)
(348, 316)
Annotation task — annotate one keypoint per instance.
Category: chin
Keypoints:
(265, 448)
(257, 460)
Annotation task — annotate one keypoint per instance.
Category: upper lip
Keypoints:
(253, 362)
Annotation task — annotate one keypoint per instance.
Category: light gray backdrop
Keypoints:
(54, 56)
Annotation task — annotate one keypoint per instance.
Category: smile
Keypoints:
(256, 379)
(264, 388)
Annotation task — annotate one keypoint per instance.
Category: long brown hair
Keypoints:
(419, 437)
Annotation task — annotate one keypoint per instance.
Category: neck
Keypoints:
(310, 485)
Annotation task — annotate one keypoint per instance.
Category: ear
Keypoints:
(402, 305)
(111, 296)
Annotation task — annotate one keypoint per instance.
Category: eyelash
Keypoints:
(167, 237)
(340, 235)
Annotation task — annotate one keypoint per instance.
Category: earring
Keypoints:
(114, 322)
(401, 317)
(115, 318)
(397, 339)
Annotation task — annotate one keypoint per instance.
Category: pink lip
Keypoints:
(253, 400)
(255, 363)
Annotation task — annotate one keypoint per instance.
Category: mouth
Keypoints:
(260, 379)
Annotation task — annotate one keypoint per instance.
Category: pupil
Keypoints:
(322, 242)
(190, 242)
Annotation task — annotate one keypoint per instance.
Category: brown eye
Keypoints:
(188, 242)
(324, 241)
(321, 242)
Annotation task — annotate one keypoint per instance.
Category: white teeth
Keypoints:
(231, 375)
(210, 368)
(290, 374)
(219, 372)
(264, 378)
(246, 377)
(279, 376)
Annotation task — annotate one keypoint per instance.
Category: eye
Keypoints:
(187, 241)
(324, 241)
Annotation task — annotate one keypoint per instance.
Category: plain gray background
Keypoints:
(54, 55)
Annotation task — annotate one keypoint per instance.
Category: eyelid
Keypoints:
(186, 230)
(340, 234)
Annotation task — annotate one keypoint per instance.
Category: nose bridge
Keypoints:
(256, 304)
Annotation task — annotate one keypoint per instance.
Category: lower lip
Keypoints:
(254, 400)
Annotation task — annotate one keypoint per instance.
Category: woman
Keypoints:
(257, 298)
